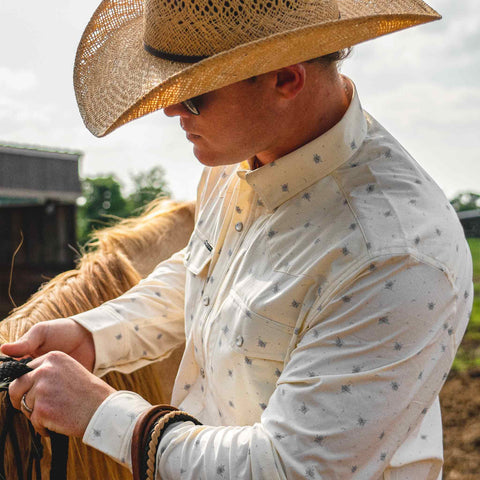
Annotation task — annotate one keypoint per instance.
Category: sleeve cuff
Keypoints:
(104, 325)
(111, 427)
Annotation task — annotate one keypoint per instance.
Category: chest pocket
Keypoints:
(198, 254)
(253, 335)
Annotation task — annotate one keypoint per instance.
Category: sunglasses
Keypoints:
(192, 105)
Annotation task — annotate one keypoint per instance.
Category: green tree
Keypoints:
(147, 186)
(466, 201)
(103, 200)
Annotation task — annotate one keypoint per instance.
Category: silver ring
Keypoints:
(25, 406)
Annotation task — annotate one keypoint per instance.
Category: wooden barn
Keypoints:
(471, 222)
(38, 191)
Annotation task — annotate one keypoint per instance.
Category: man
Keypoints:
(326, 286)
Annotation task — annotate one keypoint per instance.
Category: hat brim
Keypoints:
(116, 80)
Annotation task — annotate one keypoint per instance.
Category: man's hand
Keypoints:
(64, 335)
(61, 394)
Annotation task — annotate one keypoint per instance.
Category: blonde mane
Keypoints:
(156, 235)
(98, 277)
(116, 264)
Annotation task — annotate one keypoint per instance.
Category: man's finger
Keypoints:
(18, 387)
(27, 344)
(42, 431)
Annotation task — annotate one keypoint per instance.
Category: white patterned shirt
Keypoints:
(322, 298)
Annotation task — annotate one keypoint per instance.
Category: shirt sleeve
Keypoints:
(367, 367)
(369, 364)
(144, 324)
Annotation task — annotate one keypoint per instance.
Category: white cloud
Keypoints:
(17, 80)
(430, 105)
(16, 116)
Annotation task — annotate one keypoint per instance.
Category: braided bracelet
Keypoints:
(147, 434)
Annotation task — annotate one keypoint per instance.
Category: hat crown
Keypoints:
(205, 27)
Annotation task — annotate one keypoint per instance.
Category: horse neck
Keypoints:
(151, 238)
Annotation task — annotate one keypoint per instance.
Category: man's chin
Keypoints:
(203, 157)
(210, 159)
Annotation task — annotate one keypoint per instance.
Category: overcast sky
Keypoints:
(422, 84)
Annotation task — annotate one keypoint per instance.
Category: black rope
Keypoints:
(14, 442)
(58, 468)
(36, 454)
(11, 369)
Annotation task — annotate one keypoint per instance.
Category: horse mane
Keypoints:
(98, 277)
(156, 231)
(135, 233)
(114, 264)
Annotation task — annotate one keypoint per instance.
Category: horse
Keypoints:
(116, 259)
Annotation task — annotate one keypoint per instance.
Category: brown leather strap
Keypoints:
(150, 462)
(173, 57)
(141, 436)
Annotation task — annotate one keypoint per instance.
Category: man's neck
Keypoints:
(319, 109)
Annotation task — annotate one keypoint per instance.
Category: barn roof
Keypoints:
(467, 214)
(32, 173)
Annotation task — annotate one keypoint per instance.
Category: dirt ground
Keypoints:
(460, 400)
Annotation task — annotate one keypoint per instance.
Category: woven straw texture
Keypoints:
(116, 80)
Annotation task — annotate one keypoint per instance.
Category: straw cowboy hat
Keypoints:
(137, 56)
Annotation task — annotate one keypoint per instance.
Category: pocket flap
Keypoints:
(198, 254)
(257, 336)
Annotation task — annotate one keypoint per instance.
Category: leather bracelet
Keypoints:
(141, 436)
(156, 435)
(146, 438)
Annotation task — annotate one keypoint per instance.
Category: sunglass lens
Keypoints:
(191, 107)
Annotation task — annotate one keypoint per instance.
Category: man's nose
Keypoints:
(175, 109)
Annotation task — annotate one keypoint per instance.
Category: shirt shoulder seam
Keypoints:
(362, 263)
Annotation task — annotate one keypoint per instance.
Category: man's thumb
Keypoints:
(24, 346)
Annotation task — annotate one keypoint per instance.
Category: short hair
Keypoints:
(325, 60)
(334, 57)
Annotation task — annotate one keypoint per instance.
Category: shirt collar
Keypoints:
(277, 182)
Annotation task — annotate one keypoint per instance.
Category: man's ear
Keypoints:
(290, 80)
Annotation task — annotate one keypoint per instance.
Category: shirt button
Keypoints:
(206, 300)
(239, 341)
(187, 256)
(202, 372)
(239, 227)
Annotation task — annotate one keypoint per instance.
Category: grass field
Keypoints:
(468, 355)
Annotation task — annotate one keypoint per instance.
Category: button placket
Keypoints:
(232, 241)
